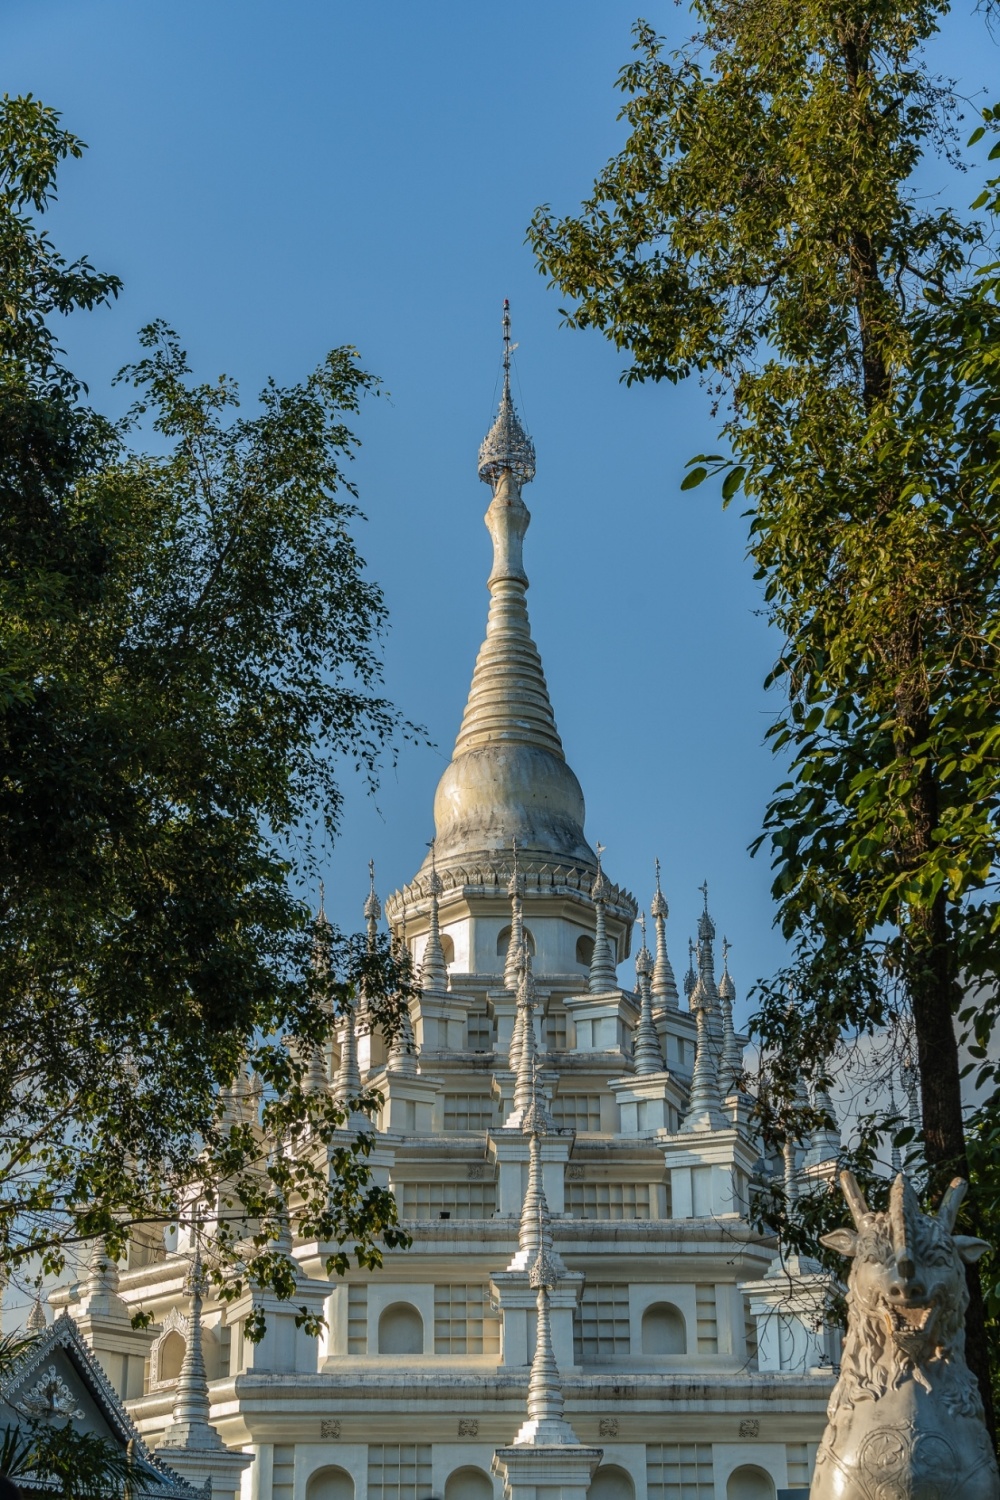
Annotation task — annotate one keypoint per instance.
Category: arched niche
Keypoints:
(503, 942)
(448, 949)
(171, 1356)
(585, 951)
(663, 1330)
(400, 1330)
(611, 1483)
(468, 1484)
(331, 1483)
(748, 1482)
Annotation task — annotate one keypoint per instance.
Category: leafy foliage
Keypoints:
(190, 653)
(763, 227)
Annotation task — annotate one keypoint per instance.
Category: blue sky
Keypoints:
(277, 179)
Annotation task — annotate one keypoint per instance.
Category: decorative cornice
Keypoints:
(541, 878)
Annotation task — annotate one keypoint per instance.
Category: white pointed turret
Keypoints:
(731, 1062)
(546, 1425)
(190, 1426)
(403, 1051)
(824, 1142)
(602, 970)
(527, 1093)
(347, 1080)
(535, 1228)
(704, 1110)
(190, 1443)
(647, 1053)
(433, 969)
(664, 986)
(514, 963)
(515, 890)
(706, 972)
(36, 1322)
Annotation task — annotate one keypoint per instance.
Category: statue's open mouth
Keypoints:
(911, 1328)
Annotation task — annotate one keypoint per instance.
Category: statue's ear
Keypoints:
(844, 1241)
(969, 1248)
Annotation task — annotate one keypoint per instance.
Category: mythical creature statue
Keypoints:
(905, 1418)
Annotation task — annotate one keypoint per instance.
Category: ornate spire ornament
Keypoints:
(36, 1322)
(515, 890)
(507, 448)
(433, 970)
(690, 978)
(546, 1426)
(664, 985)
(373, 907)
(647, 1053)
(731, 1062)
(704, 1110)
(602, 971)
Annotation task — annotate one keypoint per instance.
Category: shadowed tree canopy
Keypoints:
(764, 227)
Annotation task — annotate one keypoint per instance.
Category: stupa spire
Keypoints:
(527, 1096)
(704, 1110)
(36, 1318)
(647, 1052)
(731, 1062)
(433, 970)
(690, 978)
(190, 1426)
(546, 1425)
(602, 971)
(535, 1228)
(403, 1051)
(664, 986)
(515, 890)
(508, 774)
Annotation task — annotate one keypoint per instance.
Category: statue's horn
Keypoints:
(855, 1198)
(952, 1202)
(902, 1205)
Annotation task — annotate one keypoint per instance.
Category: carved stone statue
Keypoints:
(905, 1418)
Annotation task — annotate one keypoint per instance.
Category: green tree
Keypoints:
(764, 227)
(190, 652)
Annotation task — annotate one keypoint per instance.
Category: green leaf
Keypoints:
(732, 482)
(692, 479)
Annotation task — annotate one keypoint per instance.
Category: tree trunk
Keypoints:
(932, 977)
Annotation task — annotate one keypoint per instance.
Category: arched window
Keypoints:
(503, 942)
(171, 1356)
(611, 1483)
(468, 1484)
(585, 951)
(749, 1483)
(448, 948)
(663, 1330)
(400, 1330)
(331, 1483)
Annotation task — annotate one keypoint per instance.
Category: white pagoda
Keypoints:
(585, 1310)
